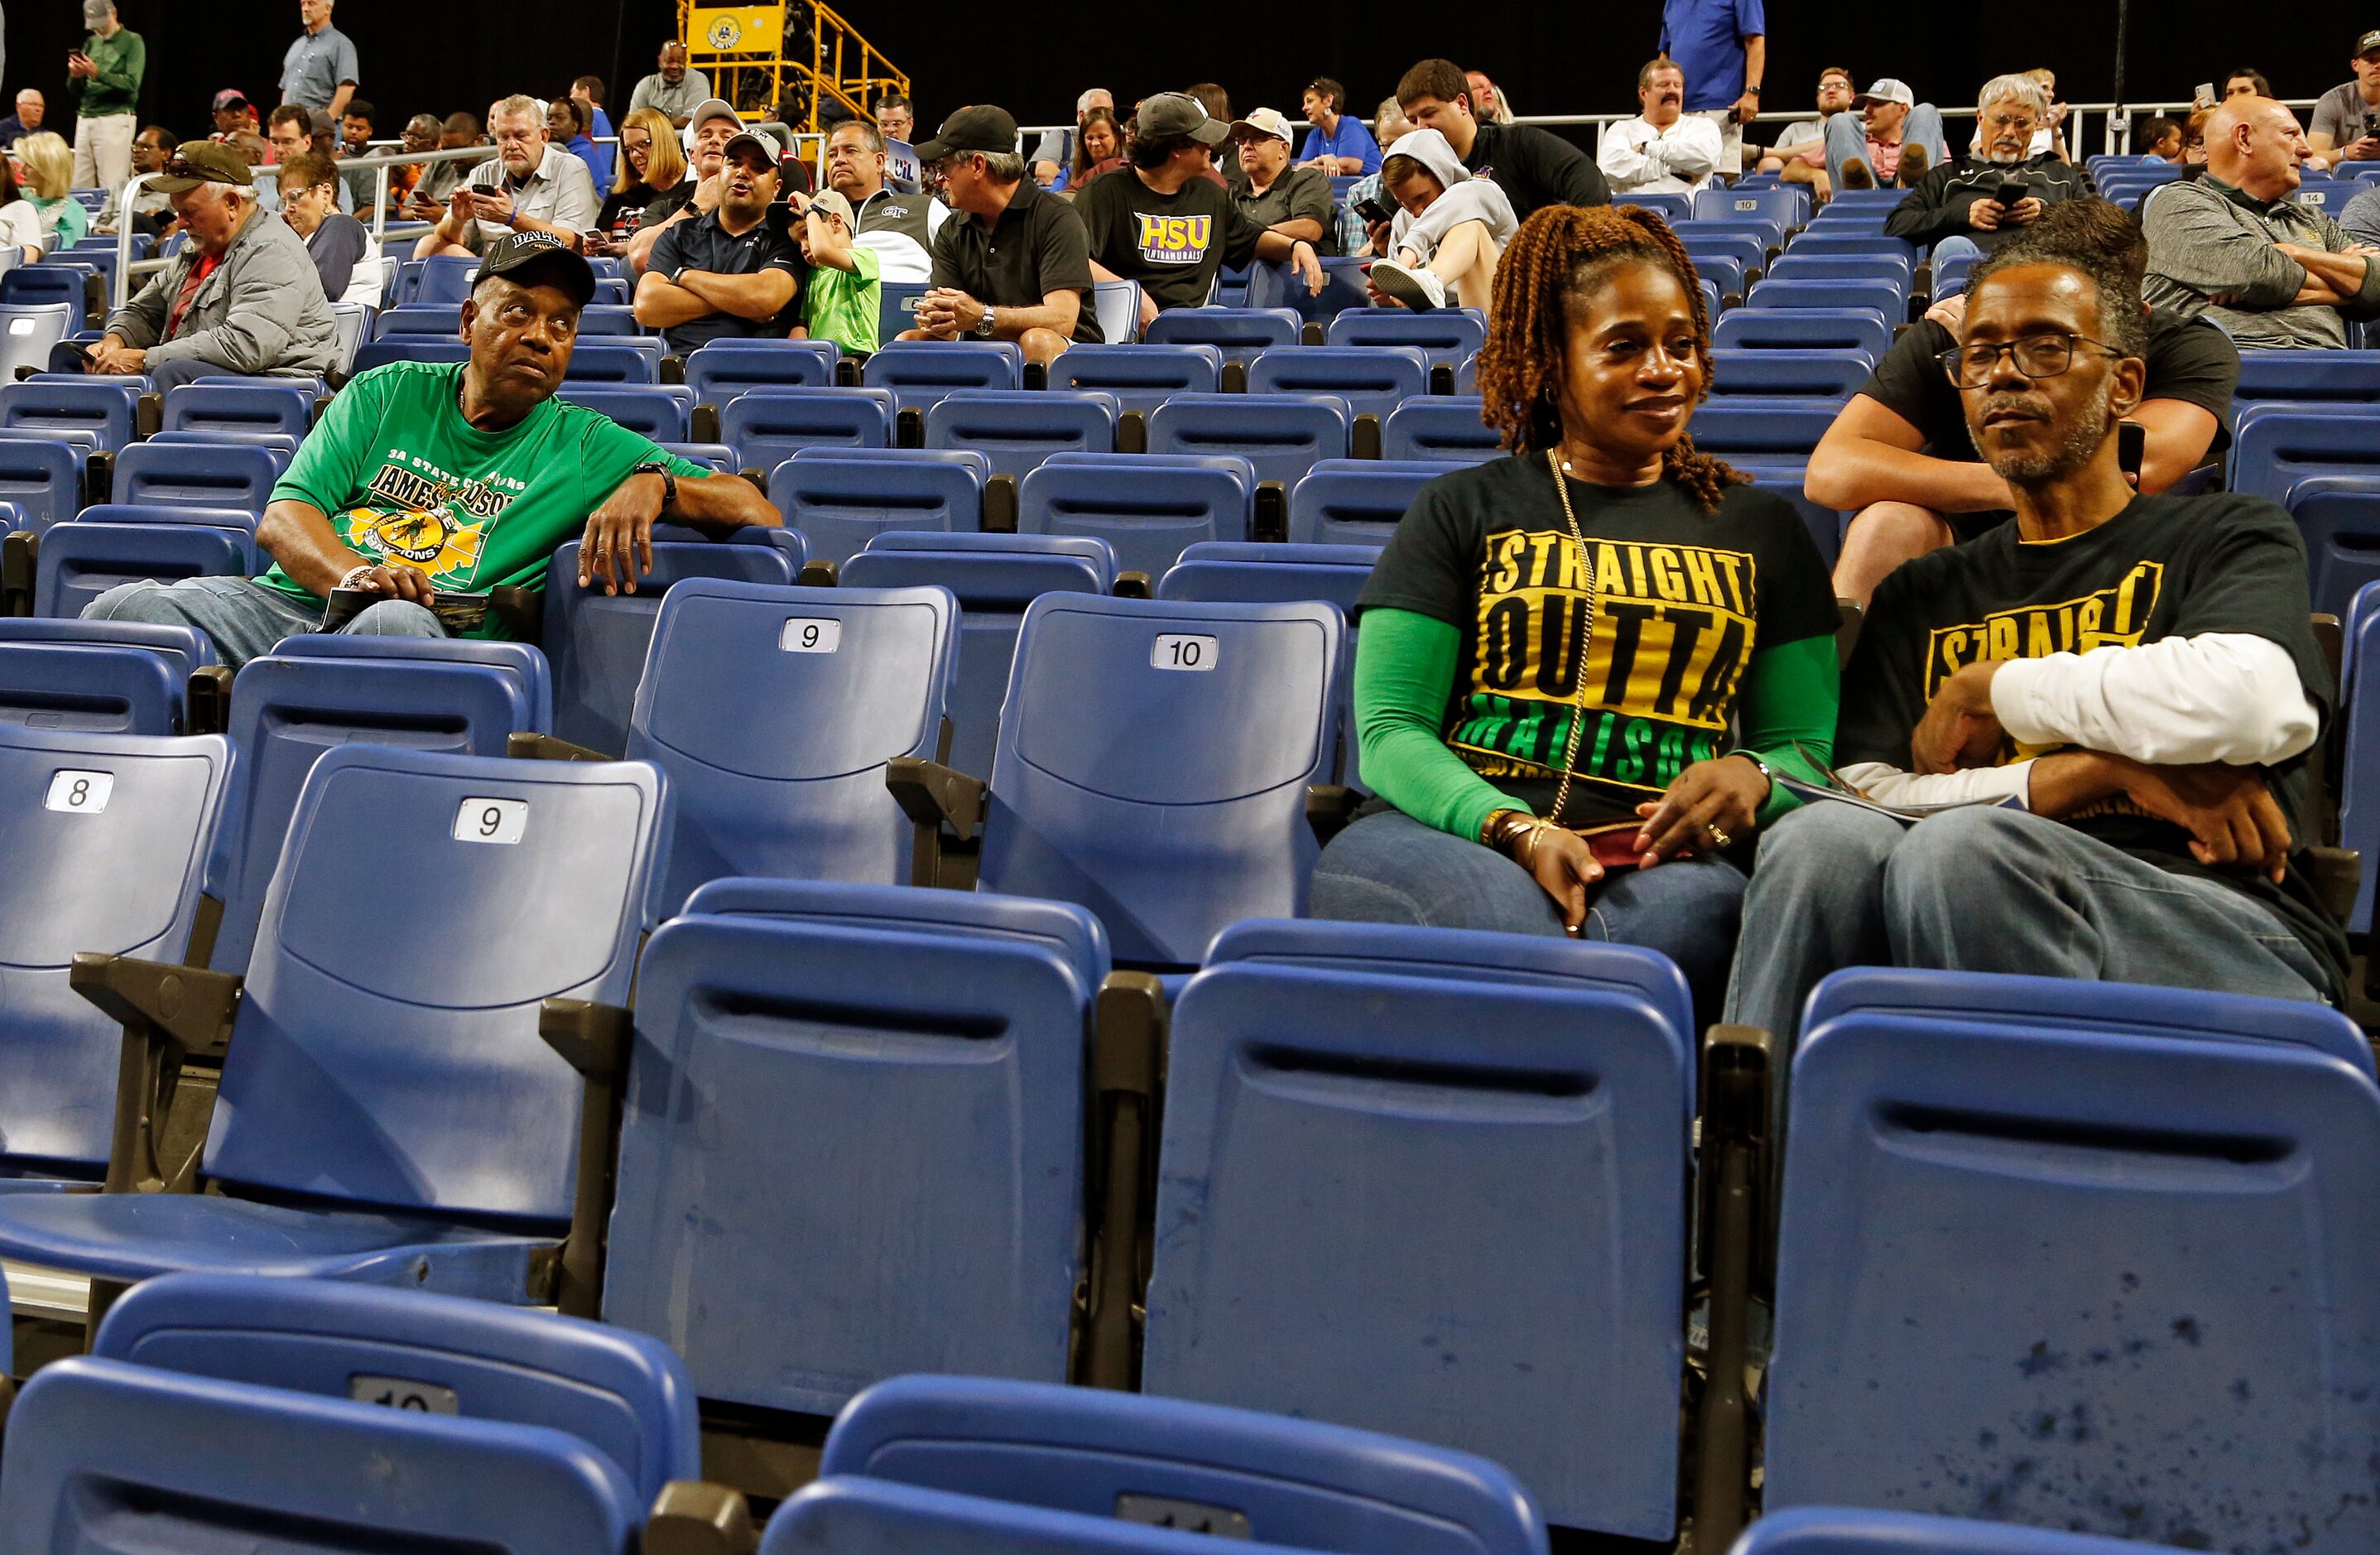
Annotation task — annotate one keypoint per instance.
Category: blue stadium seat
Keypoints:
(2180, 1230)
(614, 360)
(191, 475)
(243, 407)
(281, 446)
(28, 331)
(1140, 377)
(847, 1515)
(1767, 234)
(1723, 271)
(433, 320)
(1732, 424)
(450, 1171)
(921, 371)
(622, 1394)
(1950, 274)
(443, 278)
(319, 691)
(2359, 784)
(407, 348)
(1265, 1478)
(1239, 333)
(1147, 507)
(2276, 445)
(1845, 1531)
(839, 504)
(1739, 373)
(1804, 329)
(597, 641)
(108, 410)
(1116, 306)
(897, 308)
(994, 577)
(664, 412)
(99, 678)
(718, 455)
(1672, 208)
(1532, 1131)
(721, 371)
(109, 835)
(41, 478)
(778, 770)
(1840, 241)
(1786, 205)
(843, 1062)
(51, 282)
(1016, 429)
(1892, 269)
(1446, 336)
(1154, 761)
(2339, 517)
(80, 561)
(2352, 376)
(236, 518)
(602, 320)
(223, 1466)
(1440, 427)
(1274, 285)
(1357, 502)
(1282, 435)
(768, 426)
(1373, 379)
(1748, 254)
(1888, 299)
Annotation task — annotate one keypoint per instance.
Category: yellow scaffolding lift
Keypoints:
(791, 57)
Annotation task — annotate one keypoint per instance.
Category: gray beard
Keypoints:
(2081, 445)
(1999, 160)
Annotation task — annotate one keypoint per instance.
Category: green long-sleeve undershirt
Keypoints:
(1405, 675)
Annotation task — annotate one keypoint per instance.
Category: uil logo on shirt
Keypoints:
(1175, 240)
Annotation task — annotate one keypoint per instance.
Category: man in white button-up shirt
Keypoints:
(1664, 149)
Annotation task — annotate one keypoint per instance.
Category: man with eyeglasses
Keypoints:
(2234, 249)
(2119, 692)
(531, 185)
(1898, 457)
(1973, 204)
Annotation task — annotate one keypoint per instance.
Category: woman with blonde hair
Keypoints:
(651, 173)
(48, 176)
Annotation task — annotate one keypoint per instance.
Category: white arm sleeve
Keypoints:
(2228, 696)
(1691, 147)
(1891, 785)
(1621, 160)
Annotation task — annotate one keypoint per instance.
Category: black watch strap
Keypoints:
(669, 482)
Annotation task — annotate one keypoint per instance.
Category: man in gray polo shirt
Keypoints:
(319, 71)
(531, 186)
(2346, 124)
(673, 89)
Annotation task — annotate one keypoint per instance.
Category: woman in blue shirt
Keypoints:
(1338, 143)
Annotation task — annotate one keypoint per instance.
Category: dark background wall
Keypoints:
(1554, 56)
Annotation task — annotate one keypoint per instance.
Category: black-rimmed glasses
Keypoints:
(2037, 356)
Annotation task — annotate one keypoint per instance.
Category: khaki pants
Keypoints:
(103, 152)
(1731, 141)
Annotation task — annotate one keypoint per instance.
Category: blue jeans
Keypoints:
(243, 618)
(1846, 137)
(1389, 867)
(68, 356)
(1954, 247)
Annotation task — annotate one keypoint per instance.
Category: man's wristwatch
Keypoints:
(669, 482)
(985, 325)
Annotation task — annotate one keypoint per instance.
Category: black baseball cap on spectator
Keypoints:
(981, 128)
(531, 256)
(229, 98)
(1178, 112)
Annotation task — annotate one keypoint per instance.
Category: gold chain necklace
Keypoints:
(1555, 462)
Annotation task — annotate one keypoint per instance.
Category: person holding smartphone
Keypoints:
(532, 186)
(103, 83)
(2346, 125)
(1971, 204)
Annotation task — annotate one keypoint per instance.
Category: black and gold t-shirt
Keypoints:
(2165, 567)
(1680, 601)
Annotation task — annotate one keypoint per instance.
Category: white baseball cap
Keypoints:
(1885, 90)
(1263, 121)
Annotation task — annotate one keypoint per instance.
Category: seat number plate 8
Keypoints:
(491, 820)
(1176, 651)
(79, 793)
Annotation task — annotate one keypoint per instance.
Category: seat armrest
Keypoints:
(820, 574)
(1364, 436)
(694, 1517)
(1127, 1054)
(19, 554)
(1269, 519)
(1000, 504)
(1133, 586)
(673, 370)
(522, 611)
(1328, 807)
(2336, 874)
(1734, 1177)
(170, 1014)
(934, 795)
(523, 745)
(210, 700)
(703, 425)
(593, 1039)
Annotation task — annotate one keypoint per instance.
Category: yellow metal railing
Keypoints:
(768, 69)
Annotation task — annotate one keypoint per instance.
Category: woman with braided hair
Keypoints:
(1581, 664)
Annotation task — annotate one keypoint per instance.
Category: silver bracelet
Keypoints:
(355, 573)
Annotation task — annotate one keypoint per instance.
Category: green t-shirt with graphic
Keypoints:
(406, 480)
(844, 306)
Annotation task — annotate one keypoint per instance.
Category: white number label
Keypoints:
(395, 1392)
(21, 326)
(810, 636)
(82, 793)
(1177, 652)
(491, 820)
(1747, 205)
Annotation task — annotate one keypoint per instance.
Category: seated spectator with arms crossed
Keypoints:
(699, 193)
(531, 185)
(1449, 232)
(1899, 455)
(240, 297)
(732, 274)
(1534, 169)
(2136, 674)
(2234, 247)
(1162, 222)
(1014, 263)
(1661, 151)
(455, 478)
(1957, 208)
(1293, 202)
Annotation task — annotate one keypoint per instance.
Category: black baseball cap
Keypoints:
(531, 256)
(1178, 112)
(982, 129)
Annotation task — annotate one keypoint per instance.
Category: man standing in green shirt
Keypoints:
(425, 479)
(845, 302)
(103, 83)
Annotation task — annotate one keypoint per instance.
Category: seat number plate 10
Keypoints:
(395, 1392)
(79, 793)
(491, 820)
(1174, 651)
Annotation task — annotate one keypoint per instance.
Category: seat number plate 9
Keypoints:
(1174, 651)
(79, 793)
(811, 636)
(491, 820)
(395, 1392)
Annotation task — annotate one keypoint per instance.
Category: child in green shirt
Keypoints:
(844, 301)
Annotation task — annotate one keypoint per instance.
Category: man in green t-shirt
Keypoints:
(430, 480)
(845, 302)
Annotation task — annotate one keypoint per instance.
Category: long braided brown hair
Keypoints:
(1552, 264)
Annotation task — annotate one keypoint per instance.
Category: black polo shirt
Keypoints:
(703, 244)
(1036, 246)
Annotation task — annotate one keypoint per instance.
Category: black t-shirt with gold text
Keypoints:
(1680, 600)
(1174, 245)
